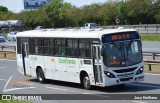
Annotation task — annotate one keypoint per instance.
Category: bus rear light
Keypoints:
(109, 74)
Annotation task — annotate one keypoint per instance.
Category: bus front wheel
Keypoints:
(40, 76)
(86, 82)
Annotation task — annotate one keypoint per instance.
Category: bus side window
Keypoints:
(51, 47)
(81, 48)
(75, 48)
(68, 47)
(38, 48)
(46, 46)
(57, 43)
(71, 47)
(84, 48)
(62, 49)
(87, 48)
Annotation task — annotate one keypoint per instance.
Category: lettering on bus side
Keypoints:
(66, 61)
(33, 58)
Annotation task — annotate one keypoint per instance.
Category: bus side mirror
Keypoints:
(102, 51)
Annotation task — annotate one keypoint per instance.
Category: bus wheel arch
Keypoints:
(85, 81)
(40, 74)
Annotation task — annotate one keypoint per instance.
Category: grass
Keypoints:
(155, 69)
(8, 56)
(150, 37)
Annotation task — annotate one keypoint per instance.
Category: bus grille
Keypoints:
(125, 70)
(126, 79)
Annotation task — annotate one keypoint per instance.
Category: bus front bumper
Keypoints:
(123, 80)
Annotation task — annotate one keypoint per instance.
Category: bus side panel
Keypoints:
(61, 69)
(32, 58)
(88, 67)
(36, 61)
(20, 64)
(49, 63)
(73, 70)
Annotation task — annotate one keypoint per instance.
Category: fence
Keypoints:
(142, 29)
(6, 47)
(7, 50)
(153, 60)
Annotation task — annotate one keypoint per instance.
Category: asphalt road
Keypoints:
(19, 84)
(151, 46)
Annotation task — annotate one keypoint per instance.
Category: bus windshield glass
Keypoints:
(126, 53)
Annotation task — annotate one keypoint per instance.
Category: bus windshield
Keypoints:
(125, 53)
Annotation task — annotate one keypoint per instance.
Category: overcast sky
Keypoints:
(17, 5)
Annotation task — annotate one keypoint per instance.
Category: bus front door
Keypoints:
(97, 64)
(25, 58)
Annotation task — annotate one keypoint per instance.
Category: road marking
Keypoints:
(56, 88)
(152, 74)
(3, 79)
(7, 60)
(7, 90)
(86, 93)
(138, 102)
(146, 85)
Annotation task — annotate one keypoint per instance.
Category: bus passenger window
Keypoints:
(87, 49)
(81, 48)
(68, 47)
(46, 46)
(51, 46)
(84, 49)
(57, 42)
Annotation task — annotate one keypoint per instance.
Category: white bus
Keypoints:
(103, 57)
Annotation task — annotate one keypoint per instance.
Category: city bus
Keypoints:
(95, 57)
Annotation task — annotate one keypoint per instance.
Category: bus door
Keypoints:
(97, 64)
(25, 58)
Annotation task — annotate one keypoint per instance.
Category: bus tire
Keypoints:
(40, 75)
(86, 82)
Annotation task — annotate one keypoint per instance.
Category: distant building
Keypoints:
(34, 4)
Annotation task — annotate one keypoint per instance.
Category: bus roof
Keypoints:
(70, 33)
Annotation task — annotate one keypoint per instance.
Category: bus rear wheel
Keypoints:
(86, 82)
(40, 75)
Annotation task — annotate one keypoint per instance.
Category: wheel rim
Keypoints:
(86, 82)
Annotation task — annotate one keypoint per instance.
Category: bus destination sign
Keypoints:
(119, 36)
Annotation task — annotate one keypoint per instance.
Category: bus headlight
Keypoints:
(109, 74)
(140, 71)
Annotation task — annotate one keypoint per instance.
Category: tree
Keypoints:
(138, 11)
(3, 9)
(56, 11)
